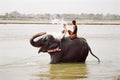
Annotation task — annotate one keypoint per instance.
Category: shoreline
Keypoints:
(83, 22)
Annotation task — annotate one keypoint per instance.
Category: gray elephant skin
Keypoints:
(75, 50)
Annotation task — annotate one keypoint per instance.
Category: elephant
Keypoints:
(62, 50)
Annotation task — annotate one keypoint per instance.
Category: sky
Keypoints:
(61, 6)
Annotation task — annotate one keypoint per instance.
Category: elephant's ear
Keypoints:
(53, 48)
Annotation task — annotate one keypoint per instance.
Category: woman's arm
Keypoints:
(65, 30)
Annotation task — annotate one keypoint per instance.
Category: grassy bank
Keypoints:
(86, 22)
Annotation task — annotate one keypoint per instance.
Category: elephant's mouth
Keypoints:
(42, 49)
(39, 50)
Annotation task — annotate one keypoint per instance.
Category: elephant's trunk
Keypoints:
(32, 42)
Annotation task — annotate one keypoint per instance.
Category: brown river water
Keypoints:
(20, 61)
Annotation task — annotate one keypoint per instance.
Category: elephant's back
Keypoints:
(68, 43)
(81, 38)
(73, 50)
(76, 40)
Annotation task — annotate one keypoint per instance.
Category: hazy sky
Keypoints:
(60, 6)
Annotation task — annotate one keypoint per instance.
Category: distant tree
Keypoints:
(14, 14)
(99, 16)
(6, 17)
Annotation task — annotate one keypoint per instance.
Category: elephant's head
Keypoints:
(43, 41)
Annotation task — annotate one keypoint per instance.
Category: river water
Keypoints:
(20, 61)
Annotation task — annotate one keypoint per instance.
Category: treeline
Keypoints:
(68, 17)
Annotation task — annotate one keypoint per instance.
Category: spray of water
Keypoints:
(60, 23)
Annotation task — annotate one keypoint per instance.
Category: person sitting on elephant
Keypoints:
(56, 47)
(64, 31)
(73, 34)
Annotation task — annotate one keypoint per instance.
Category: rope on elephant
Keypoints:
(54, 50)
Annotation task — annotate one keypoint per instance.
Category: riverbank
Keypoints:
(83, 22)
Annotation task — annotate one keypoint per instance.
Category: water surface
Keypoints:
(20, 61)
